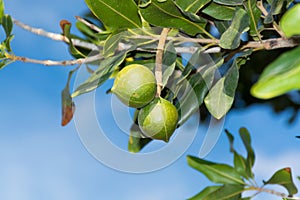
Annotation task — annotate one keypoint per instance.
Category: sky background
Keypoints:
(42, 160)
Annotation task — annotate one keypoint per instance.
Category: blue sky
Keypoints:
(42, 160)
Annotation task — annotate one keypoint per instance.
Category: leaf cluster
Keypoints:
(233, 181)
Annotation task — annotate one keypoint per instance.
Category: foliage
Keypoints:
(232, 181)
(227, 42)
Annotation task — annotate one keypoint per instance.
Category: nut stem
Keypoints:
(158, 60)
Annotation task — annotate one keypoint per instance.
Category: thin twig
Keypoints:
(92, 26)
(55, 63)
(158, 60)
(270, 191)
(55, 36)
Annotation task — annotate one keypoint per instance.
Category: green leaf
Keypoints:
(7, 24)
(169, 62)
(104, 71)
(192, 6)
(226, 192)
(136, 139)
(198, 86)
(205, 192)
(290, 21)
(218, 173)
(240, 163)
(220, 12)
(231, 140)
(222, 26)
(230, 39)
(245, 136)
(221, 96)
(230, 2)
(1, 10)
(116, 14)
(172, 17)
(254, 14)
(66, 28)
(276, 8)
(279, 77)
(284, 178)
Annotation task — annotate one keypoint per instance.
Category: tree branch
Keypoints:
(55, 36)
(54, 63)
(268, 44)
(158, 61)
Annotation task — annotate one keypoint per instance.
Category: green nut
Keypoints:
(135, 86)
(158, 120)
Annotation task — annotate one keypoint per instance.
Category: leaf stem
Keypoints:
(158, 61)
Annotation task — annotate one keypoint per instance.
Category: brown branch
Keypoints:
(158, 61)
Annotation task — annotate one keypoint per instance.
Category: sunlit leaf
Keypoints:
(290, 21)
(284, 178)
(1, 10)
(230, 39)
(218, 173)
(116, 14)
(220, 97)
(172, 17)
(279, 77)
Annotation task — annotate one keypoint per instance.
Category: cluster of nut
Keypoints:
(135, 86)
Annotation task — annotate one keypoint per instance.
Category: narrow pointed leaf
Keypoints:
(230, 39)
(254, 14)
(116, 14)
(104, 71)
(283, 177)
(220, 98)
(245, 136)
(281, 76)
(218, 173)
(172, 17)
